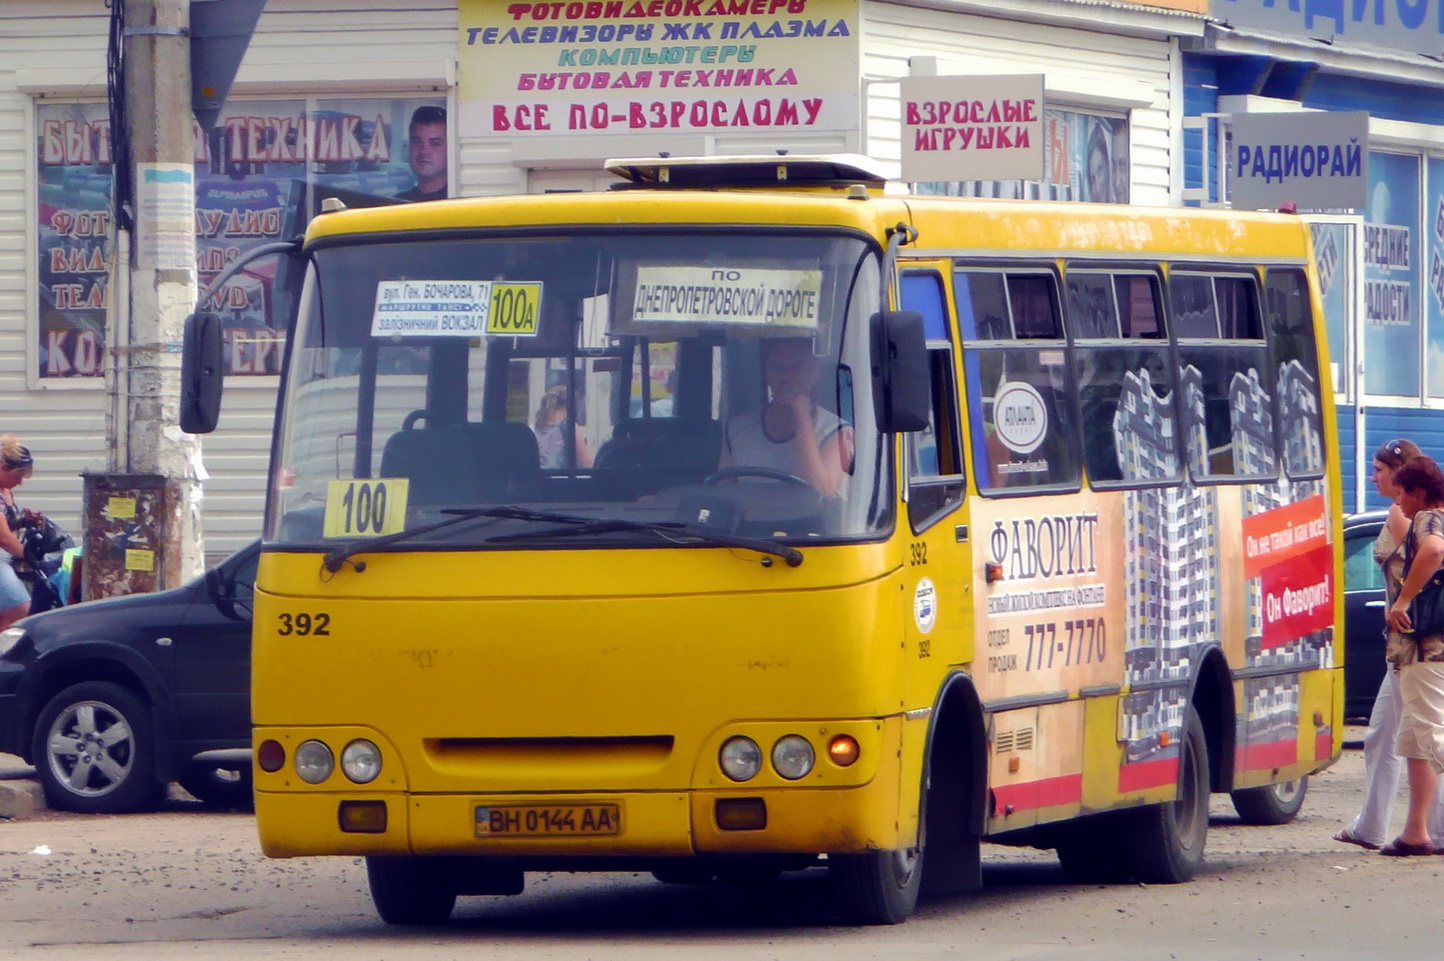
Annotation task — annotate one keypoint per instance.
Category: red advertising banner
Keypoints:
(1298, 596)
(1285, 532)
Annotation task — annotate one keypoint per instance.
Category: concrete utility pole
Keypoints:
(143, 525)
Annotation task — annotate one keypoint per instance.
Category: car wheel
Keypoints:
(94, 750)
(227, 789)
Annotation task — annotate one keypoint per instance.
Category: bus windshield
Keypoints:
(657, 380)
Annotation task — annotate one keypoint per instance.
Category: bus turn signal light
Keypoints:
(992, 571)
(843, 750)
(362, 817)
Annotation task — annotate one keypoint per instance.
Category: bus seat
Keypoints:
(462, 463)
(510, 458)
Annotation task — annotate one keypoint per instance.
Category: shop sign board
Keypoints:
(258, 176)
(1403, 27)
(1316, 160)
(972, 128)
(751, 68)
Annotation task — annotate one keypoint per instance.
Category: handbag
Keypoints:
(1426, 611)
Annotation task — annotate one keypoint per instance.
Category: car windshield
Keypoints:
(716, 380)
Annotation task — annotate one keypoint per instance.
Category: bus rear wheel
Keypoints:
(1165, 841)
(1272, 803)
(410, 890)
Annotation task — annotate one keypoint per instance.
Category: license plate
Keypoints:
(545, 820)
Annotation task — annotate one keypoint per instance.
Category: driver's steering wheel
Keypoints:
(766, 473)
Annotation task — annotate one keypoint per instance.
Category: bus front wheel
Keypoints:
(880, 886)
(877, 887)
(410, 890)
(1165, 841)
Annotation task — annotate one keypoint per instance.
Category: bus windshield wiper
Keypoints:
(671, 530)
(459, 515)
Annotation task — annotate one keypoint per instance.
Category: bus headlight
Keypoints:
(740, 758)
(361, 761)
(792, 757)
(314, 762)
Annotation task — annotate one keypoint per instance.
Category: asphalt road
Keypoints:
(185, 882)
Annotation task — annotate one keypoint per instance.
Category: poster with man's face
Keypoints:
(261, 173)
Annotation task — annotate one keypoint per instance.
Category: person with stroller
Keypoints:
(16, 464)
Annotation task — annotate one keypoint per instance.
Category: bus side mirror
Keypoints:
(900, 379)
(202, 372)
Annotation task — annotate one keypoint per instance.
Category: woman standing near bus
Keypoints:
(1419, 658)
(16, 464)
(1382, 767)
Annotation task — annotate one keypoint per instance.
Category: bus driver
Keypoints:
(791, 433)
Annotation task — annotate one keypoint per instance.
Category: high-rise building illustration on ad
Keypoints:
(1173, 568)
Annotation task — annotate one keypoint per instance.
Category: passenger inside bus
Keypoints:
(791, 434)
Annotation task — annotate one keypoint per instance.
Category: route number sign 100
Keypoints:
(361, 508)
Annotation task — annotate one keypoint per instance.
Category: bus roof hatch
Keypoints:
(746, 171)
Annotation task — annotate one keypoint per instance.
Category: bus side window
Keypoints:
(1289, 322)
(1225, 393)
(934, 455)
(1124, 380)
(1020, 401)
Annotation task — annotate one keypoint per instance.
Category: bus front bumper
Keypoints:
(793, 820)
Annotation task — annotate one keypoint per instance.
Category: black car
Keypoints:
(1363, 614)
(113, 699)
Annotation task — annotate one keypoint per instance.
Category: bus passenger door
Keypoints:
(936, 575)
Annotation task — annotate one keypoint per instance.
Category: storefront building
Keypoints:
(399, 102)
(1381, 259)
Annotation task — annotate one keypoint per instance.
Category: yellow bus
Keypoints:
(750, 518)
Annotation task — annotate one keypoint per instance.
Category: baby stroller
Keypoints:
(49, 551)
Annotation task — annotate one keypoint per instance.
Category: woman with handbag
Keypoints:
(1382, 767)
(1417, 614)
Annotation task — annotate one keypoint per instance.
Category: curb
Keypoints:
(21, 799)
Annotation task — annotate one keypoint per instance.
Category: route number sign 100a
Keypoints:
(361, 508)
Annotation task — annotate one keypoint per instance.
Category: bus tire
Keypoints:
(1272, 803)
(880, 887)
(409, 890)
(876, 887)
(1090, 851)
(1165, 842)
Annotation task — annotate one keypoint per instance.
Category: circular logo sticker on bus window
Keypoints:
(1019, 416)
(925, 605)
